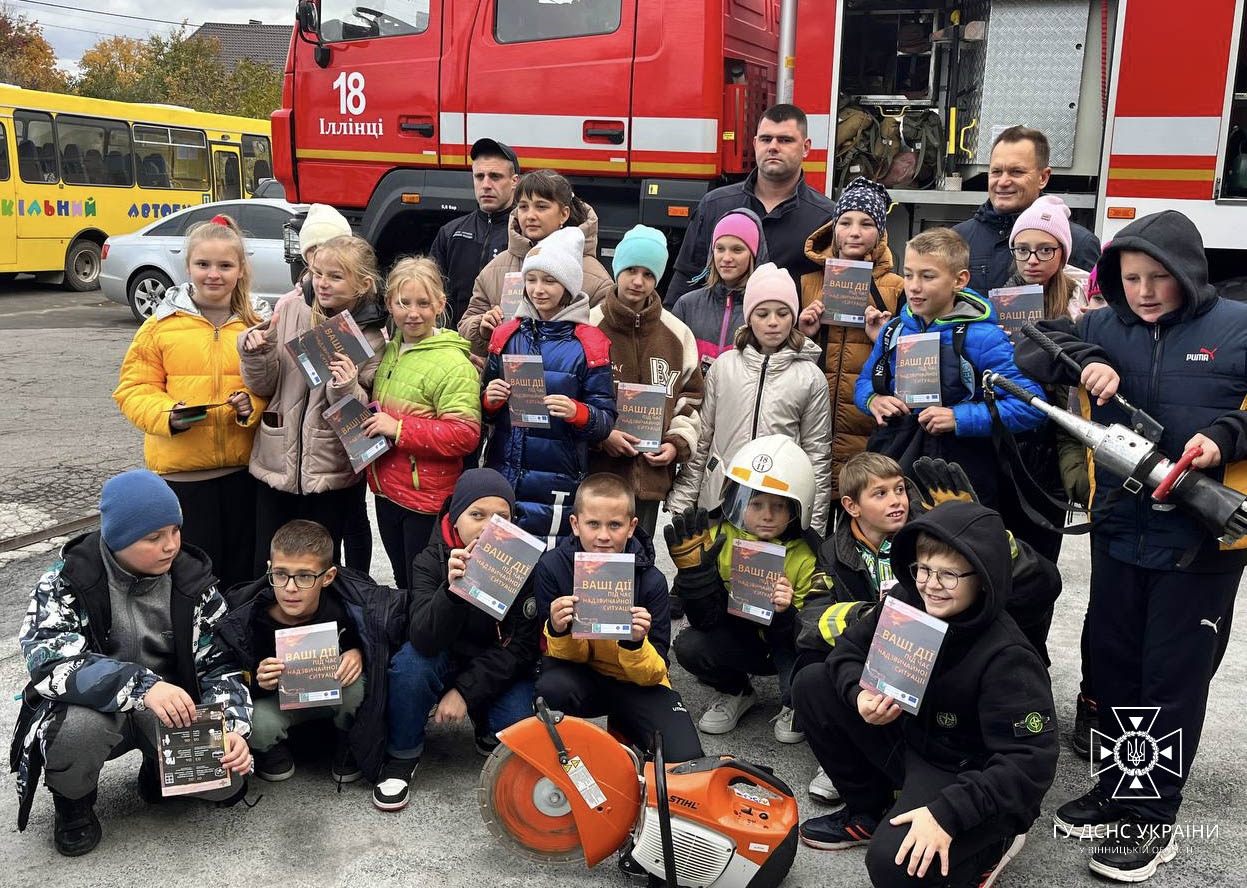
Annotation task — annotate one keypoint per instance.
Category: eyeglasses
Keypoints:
(1023, 254)
(279, 578)
(947, 579)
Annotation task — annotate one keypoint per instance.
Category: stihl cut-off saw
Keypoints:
(562, 789)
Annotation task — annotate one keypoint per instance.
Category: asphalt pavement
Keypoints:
(61, 436)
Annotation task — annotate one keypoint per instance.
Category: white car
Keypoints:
(137, 268)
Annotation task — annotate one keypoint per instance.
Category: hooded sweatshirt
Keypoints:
(987, 713)
(715, 313)
(433, 389)
(1187, 371)
(545, 466)
(652, 347)
(845, 349)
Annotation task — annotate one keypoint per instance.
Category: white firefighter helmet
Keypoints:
(775, 464)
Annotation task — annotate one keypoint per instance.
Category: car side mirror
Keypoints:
(308, 18)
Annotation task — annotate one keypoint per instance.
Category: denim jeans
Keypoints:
(417, 683)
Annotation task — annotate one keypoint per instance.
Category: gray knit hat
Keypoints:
(561, 255)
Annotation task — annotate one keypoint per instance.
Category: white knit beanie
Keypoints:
(560, 255)
(323, 223)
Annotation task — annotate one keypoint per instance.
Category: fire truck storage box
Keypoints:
(670, 202)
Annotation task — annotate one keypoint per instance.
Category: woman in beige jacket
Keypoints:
(304, 470)
(544, 203)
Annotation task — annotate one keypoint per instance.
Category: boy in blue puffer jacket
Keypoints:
(959, 430)
(546, 465)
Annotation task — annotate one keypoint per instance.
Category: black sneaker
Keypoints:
(149, 782)
(1088, 816)
(1134, 851)
(76, 830)
(841, 829)
(344, 769)
(1086, 717)
(486, 743)
(274, 765)
(394, 784)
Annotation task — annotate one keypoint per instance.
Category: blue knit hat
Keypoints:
(866, 197)
(641, 247)
(134, 504)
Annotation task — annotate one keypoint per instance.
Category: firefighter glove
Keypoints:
(941, 482)
(689, 540)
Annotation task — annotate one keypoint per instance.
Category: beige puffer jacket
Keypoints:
(487, 291)
(295, 449)
(749, 395)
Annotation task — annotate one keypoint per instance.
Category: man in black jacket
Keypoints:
(465, 245)
(1017, 173)
(776, 190)
(975, 762)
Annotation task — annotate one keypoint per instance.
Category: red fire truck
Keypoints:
(646, 104)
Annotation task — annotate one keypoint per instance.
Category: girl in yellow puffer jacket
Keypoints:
(181, 385)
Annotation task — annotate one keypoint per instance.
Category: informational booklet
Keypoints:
(756, 568)
(918, 369)
(527, 376)
(502, 559)
(846, 292)
(642, 414)
(345, 417)
(902, 653)
(1016, 306)
(311, 657)
(512, 293)
(314, 349)
(603, 583)
(190, 758)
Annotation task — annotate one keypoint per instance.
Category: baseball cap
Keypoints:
(494, 147)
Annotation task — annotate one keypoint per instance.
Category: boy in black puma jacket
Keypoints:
(975, 763)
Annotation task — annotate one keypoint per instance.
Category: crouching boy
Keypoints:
(302, 587)
(458, 663)
(974, 764)
(624, 680)
(120, 634)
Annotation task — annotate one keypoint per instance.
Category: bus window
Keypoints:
(85, 143)
(520, 21)
(257, 160)
(4, 154)
(168, 157)
(343, 20)
(228, 176)
(36, 146)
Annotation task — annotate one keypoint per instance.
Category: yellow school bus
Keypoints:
(75, 170)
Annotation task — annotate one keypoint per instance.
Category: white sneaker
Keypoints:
(823, 790)
(785, 732)
(725, 712)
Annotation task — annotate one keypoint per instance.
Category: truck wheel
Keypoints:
(82, 266)
(147, 288)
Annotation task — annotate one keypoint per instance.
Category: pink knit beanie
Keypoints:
(738, 225)
(1047, 214)
(771, 284)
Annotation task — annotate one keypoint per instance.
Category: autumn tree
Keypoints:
(115, 68)
(26, 57)
(254, 90)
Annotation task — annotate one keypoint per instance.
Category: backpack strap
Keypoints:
(876, 297)
(881, 373)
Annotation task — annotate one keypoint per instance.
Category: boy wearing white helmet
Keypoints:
(768, 495)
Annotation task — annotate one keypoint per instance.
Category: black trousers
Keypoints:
(273, 508)
(218, 516)
(726, 654)
(357, 535)
(867, 763)
(404, 533)
(1157, 638)
(635, 711)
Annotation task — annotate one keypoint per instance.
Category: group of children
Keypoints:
(758, 424)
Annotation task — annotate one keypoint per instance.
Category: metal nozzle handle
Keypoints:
(1001, 382)
(1041, 339)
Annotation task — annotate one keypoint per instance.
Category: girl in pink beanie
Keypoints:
(769, 384)
(1041, 244)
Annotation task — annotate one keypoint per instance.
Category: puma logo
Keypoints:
(1204, 355)
(1214, 625)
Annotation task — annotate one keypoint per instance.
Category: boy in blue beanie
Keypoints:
(118, 635)
(648, 346)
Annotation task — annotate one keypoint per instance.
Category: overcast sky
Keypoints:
(74, 30)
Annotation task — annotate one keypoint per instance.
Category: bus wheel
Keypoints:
(147, 288)
(82, 265)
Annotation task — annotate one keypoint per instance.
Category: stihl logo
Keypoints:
(1204, 354)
